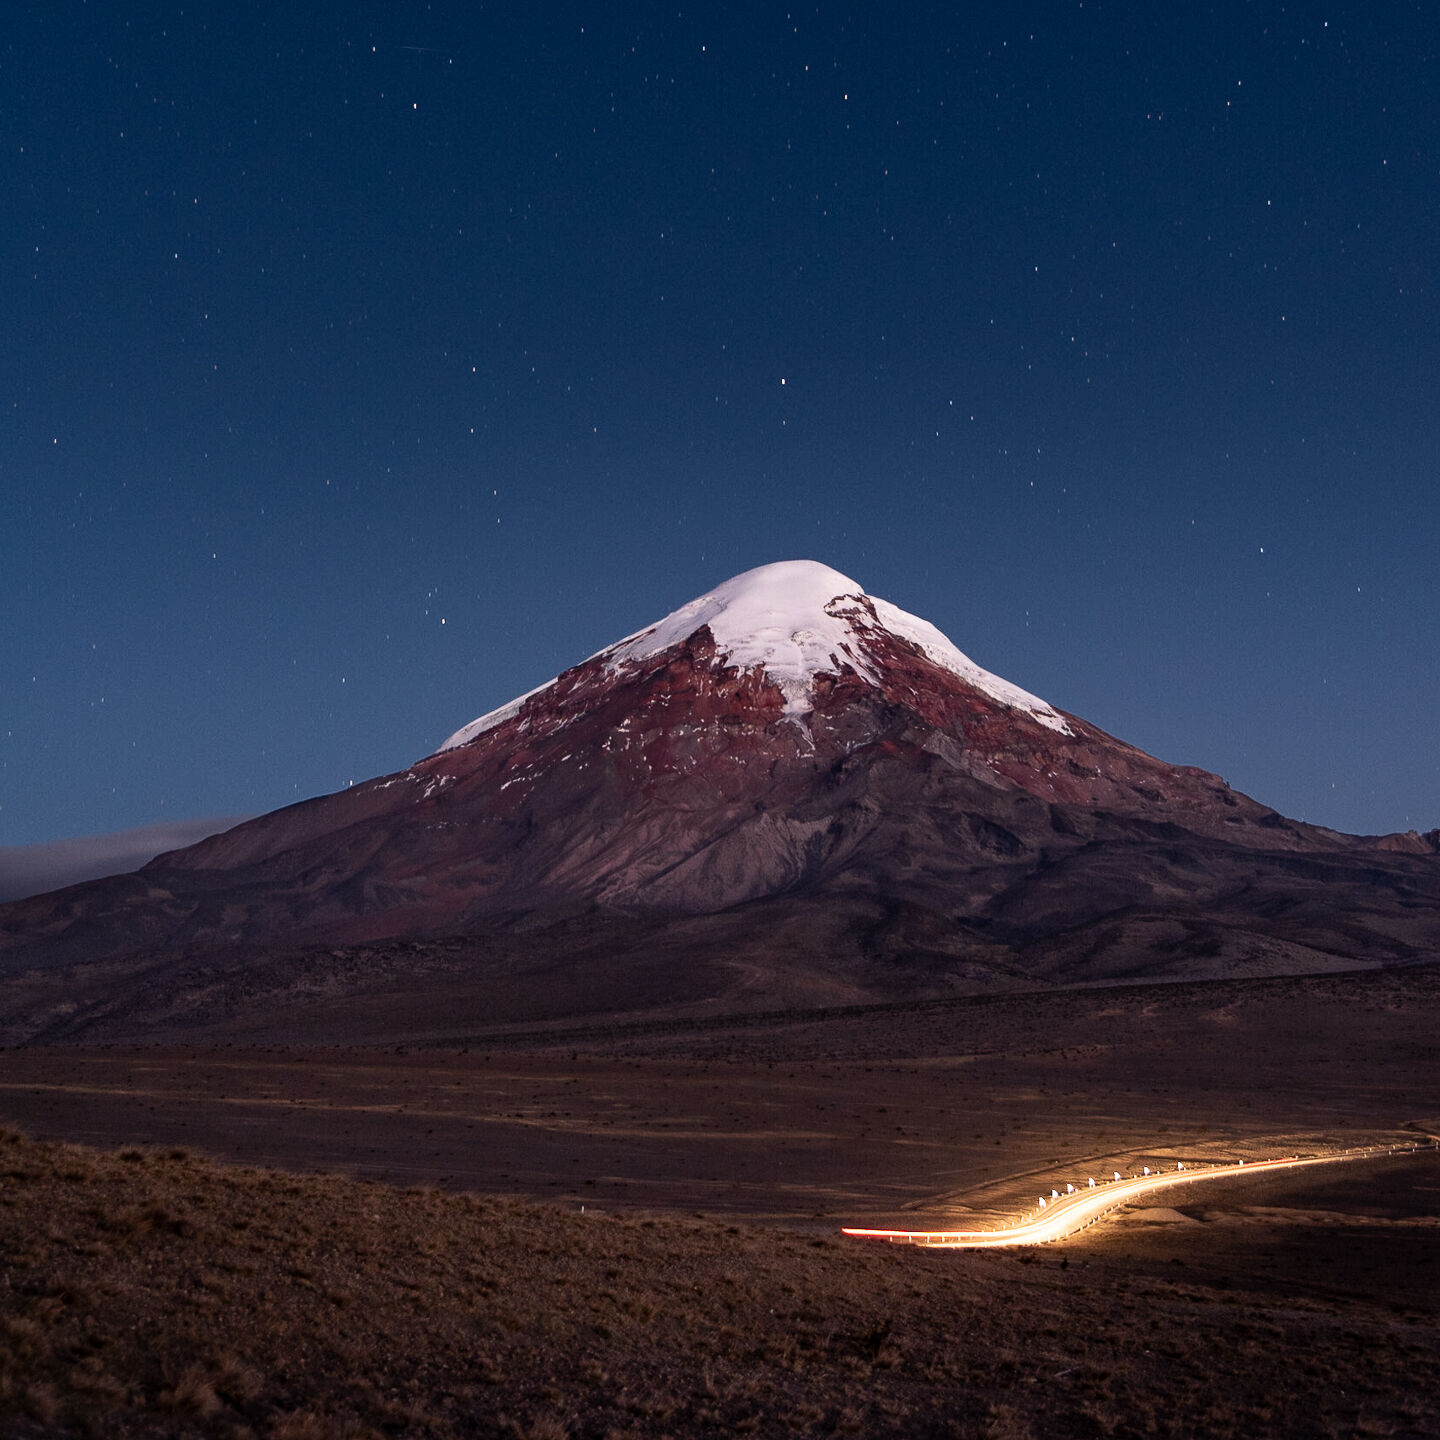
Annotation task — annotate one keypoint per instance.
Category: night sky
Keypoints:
(365, 365)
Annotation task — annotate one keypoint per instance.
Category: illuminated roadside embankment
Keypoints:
(1064, 1214)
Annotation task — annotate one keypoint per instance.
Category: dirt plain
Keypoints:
(734, 1149)
(927, 1112)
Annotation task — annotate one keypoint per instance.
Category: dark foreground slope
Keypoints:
(150, 1293)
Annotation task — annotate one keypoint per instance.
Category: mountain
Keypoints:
(786, 792)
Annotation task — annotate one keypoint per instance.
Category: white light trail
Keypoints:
(1063, 1215)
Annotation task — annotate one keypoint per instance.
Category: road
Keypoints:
(1063, 1213)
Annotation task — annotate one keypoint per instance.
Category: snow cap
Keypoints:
(783, 619)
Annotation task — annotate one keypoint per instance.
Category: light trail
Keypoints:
(1064, 1214)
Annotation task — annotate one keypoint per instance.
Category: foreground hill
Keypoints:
(786, 792)
(152, 1293)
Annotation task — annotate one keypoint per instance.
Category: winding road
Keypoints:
(1063, 1213)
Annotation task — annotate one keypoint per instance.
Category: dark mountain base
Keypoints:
(1057, 923)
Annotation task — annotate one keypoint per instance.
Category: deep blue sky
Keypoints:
(364, 365)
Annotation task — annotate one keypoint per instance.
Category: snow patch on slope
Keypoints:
(783, 619)
(508, 711)
(938, 648)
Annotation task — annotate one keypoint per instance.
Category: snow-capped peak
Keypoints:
(790, 620)
(772, 618)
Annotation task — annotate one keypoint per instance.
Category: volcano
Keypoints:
(787, 792)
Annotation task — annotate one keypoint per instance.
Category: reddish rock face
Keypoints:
(908, 832)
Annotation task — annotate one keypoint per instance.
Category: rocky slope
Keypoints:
(785, 792)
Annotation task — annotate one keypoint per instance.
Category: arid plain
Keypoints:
(928, 1111)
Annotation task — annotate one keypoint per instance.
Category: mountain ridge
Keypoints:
(834, 783)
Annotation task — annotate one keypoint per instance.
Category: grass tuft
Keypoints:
(192, 1394)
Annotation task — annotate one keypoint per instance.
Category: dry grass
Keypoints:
(154, 1293)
